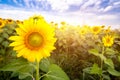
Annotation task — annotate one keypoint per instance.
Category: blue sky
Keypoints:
(76, 12)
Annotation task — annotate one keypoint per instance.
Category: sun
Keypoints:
(35, 39)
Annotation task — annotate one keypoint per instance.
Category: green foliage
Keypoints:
(25, 70)
(6, 52)
(52, 71)
(96, 70)
(109, 62)
(119, 58)
(113, 71)
(71, 54)
(110, 51)
(20, 66)
(55, 73)
(44, 65)
(96, 53)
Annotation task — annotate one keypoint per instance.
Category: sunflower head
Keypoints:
(35, 39)
(18, 22)
(108, 40)
(2, 23)
(107, 30)
(9, 21)
(82, 31)
(96, 29)
(63, 23)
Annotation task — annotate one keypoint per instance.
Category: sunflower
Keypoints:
(96, 29)
(18, 22)
(108, 40)
(107, 30)
(2, 23)
(63, 23)
(82, 31)
(9, 21)
(35, 39)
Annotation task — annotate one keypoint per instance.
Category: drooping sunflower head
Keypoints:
(18, 22)
(9, 21)
(108, 40)
(96, 29)
(35, 39)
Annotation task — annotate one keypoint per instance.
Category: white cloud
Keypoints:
(74, 2)
(27, 3)
(116, 3)
(87, 3)
(77, 18)
(108, 8)
(63, 5)
(15, 1)
(15, 14)
(58, 5)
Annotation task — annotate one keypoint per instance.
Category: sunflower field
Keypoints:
(35, 49)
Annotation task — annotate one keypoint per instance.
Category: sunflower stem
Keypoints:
(102, 62)
(37, 70)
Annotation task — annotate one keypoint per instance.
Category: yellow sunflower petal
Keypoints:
(108, 40)
(20, 31)
(21, 52)
(19, 47)
(15, 38)
(16, 43)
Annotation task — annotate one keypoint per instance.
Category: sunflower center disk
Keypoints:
(108, 40)
(35, 40)
(95, 29)
(0, 23)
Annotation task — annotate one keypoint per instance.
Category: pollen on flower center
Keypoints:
(34, 40)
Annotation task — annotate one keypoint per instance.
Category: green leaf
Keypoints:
(14, 65)
(24, 75)
(109, 51)
(20, 66)
(5, 43)
(106, 77)
(21, 76)
(9, 31)
(1, 39)
(109, 62)
(55, 73)
(102, 56)
(2, 51)
(113, 72)
(95, 69)
(14, 74)
(87, 70)
(44, 65)
(119, 58)
(94, 52)
(5, 35)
